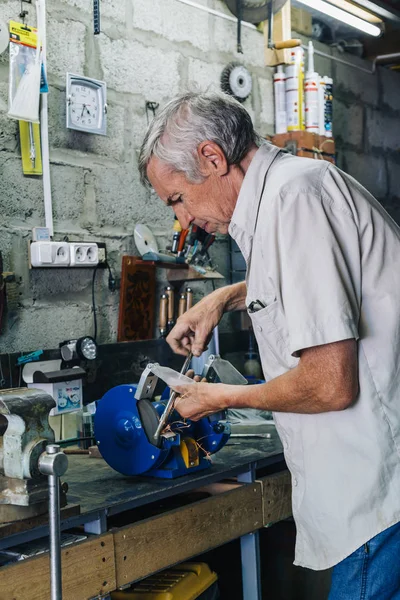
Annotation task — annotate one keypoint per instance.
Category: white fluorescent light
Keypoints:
(342, 15)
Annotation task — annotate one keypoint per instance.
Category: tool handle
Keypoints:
(287, 44)
(182, 239)
(169, 292)
(189, 298)
(182, 305)
(163, 313)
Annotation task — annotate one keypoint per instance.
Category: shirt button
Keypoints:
(295, 482)
(259, 328)
(285, 445)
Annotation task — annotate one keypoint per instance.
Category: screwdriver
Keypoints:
(170, 404)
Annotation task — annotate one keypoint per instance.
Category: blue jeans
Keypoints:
(372, 572)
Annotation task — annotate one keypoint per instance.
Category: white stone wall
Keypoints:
(147, 50)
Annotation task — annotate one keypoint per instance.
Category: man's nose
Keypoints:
(184, 217)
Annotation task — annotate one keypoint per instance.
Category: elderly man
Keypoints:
(323, 292)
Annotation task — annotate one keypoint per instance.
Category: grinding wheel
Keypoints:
(254, 11)
(150, 419)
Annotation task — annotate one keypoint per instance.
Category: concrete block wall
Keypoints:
(367, 129)
(147, 51)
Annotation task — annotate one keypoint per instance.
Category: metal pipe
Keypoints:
(55, 538)
(383, 58)
(170, 404)
(222, 15)
(216, 13)
(54, 463)
(339, 60)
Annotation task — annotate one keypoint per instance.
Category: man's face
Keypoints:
(209, 205)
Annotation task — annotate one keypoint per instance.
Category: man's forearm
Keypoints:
(325, 379)
(286, 393)
(233, 296)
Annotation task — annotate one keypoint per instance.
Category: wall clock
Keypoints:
(86, 104)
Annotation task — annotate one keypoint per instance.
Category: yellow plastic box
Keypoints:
(183, 582)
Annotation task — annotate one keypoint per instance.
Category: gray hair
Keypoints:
(176, 132)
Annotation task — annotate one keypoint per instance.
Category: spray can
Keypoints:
(280, 101)
(311, 93)
(294, 90)
(328, 106)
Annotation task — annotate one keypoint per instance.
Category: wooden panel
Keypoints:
(88, 571)
(137, 300)
(277, 497)
(281, 31)
(305, 140)
(159, 542)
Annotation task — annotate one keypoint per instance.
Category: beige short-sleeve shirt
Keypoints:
(324, 258)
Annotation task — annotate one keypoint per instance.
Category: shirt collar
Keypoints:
(246, 209)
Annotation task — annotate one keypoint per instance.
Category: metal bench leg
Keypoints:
(250, 553)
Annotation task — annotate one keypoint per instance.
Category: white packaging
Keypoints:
(321, 105)
(328, 106)
(280, 101)
(294, 90)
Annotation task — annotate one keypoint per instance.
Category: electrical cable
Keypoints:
(111, 287)
(94, 303)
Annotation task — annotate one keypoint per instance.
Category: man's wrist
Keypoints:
(233, 297)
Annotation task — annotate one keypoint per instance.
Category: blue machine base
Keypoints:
(173, 472)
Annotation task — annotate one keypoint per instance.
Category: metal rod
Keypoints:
(383, 58)
(270, 25)
(54, 464)
(216, 13)
(339, 60)
(55, 538)
(170, 404)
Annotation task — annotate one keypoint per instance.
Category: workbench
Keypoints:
(137, 526)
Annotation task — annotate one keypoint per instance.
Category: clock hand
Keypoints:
(84, 106)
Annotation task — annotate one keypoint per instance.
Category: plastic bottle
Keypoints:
(328, 108)
(294, 90)
(280, 101)
(321, 105)
(311, 93)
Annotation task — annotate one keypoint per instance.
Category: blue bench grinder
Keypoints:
(137, 436)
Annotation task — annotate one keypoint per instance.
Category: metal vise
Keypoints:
(24, 434)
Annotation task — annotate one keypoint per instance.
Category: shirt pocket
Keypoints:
(273, 340)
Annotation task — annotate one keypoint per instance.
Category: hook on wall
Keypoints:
(24, 12)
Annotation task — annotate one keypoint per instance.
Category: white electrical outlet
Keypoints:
(83, 254)
(50, 254)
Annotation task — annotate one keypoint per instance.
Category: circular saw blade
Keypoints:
(145, 240)
(254, 11)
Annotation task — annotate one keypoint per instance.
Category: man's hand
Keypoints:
(193, 330)
(199, 400)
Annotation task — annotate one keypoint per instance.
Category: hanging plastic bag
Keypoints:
(25, 73)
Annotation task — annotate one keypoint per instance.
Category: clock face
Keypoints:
(86, 104)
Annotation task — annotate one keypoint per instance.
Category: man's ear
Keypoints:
(212, 159)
